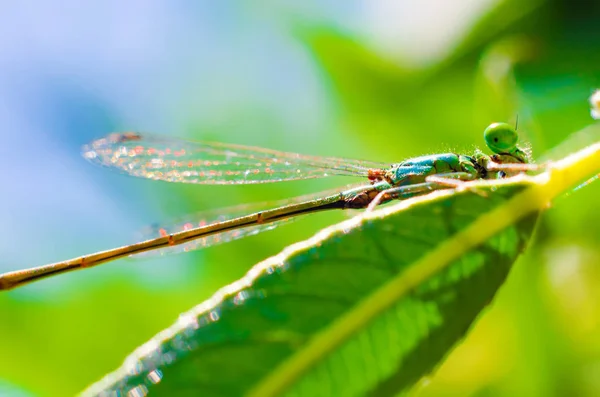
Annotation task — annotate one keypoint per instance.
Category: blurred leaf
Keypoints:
(497, 91)
(382, 96)
(500, 20)
(390, 103)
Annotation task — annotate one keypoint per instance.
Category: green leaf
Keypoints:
(365, 307)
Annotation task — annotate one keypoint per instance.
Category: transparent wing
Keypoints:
(209, 217)
(205, 218)
(177, 160)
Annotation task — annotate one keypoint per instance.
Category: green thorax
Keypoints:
(416, 170)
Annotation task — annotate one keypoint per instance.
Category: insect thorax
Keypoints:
(415, 170)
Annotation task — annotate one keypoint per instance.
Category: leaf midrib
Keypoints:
(544, 187)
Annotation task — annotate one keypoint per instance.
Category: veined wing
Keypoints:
(213, 216)
(177, 160)
(206, 218)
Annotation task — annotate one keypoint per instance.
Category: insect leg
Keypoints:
(451, 179)
(515, 167)
(402, 192)
(455, 180)
(433, 182)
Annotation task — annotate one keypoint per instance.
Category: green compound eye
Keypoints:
(501, 138)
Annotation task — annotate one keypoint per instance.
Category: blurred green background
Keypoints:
(379, 80)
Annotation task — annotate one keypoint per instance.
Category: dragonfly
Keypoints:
(175, 160)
